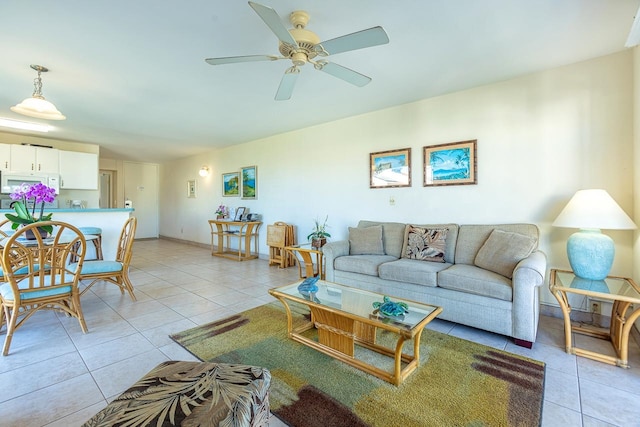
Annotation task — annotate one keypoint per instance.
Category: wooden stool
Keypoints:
(97, 242)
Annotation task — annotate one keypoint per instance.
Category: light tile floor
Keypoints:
(57, 376)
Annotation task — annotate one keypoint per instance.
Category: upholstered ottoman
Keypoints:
(192, 394)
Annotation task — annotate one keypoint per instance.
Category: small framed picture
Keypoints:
(390, 168)
(191, 188)
(230, 184)
(239, 214)
(451, 164)
(249, 183)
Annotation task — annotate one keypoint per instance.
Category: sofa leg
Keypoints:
(523, 343)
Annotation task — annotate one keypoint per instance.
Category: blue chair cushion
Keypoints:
(7, 292)
(24, 270)
(90, 230)
(94, 267)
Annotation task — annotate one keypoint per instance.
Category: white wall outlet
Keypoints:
(392, 201)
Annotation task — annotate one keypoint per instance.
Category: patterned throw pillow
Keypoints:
(425, 244)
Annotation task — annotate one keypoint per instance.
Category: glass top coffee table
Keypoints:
(345, 317)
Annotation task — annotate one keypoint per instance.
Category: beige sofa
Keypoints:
(484, 276)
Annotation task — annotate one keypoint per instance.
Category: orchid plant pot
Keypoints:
(29, 234)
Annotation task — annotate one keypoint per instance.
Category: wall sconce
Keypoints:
(204, 171)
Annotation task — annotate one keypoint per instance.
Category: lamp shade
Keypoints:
(38, 107)
(593, 209)
(590, 252)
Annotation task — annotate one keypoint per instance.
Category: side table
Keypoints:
(622, 292)
(242, 230)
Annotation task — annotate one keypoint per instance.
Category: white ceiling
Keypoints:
(132, 73)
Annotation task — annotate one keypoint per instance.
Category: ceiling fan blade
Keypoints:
(366, 38)
(271, 18)
(287, 83)
(344, 73)
(234, 59)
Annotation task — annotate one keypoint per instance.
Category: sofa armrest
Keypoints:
(531, 270)
(528, 276)
(331, 251)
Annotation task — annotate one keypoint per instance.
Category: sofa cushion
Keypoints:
(424, 244)
(475, 280)
(366, 241)
(392, 235)
(363, 264)
(412, 271)
(471, 237)
(503, 250)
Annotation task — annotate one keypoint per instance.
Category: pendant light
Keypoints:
(37, 106)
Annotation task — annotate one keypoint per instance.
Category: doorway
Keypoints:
(141, 189)
(107, 186)
(107, 189)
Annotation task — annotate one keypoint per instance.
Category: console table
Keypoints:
(622, 292)
(244, 231)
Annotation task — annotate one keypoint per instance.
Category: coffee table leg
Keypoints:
(289, 318)
(397, 371)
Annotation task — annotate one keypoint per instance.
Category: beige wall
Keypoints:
(540, 138)
(636, 159)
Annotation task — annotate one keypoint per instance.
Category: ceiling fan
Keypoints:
(302, 46)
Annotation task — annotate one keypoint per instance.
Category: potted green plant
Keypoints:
(319, 234)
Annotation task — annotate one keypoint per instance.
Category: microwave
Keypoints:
(11, 181)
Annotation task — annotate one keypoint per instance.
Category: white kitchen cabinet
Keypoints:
(26, 158)
(78, 171)
(5, 157)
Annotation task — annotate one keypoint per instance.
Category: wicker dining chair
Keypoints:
(4, 230)
(38, 276)
(116, 271)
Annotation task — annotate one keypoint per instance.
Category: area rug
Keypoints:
(458, 382)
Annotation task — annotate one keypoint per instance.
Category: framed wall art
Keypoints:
(390, 168)
(191, 188)
(249, 182)
(451, 164)
(231, 184)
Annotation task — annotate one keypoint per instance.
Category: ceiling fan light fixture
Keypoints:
(37, 106)
(302, 46)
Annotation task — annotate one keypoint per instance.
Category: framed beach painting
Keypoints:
(451, 164)
(390, 168)
(231, 184)
(249, 182)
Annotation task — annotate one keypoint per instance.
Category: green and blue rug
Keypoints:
(458, 383)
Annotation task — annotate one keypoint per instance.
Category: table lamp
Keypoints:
(590, 252)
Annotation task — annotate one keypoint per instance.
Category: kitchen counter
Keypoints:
(110, 220)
